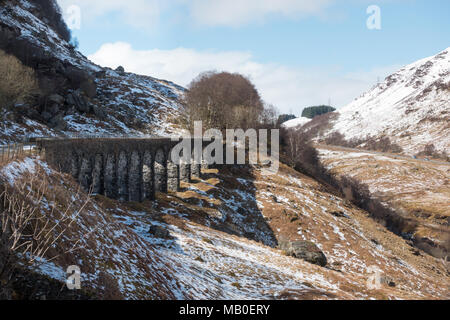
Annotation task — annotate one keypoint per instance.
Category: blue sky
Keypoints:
(297, 52)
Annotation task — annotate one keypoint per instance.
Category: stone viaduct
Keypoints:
(127, 169)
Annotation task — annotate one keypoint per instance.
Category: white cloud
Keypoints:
(236, 13)
(137, 13)
(146, 13)
(285, 87)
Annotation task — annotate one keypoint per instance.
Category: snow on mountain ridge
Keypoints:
(411, 107)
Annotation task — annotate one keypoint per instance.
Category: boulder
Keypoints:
(159, 232)
(77, 100)
(32, 113)
(54, 109)
(55, 99)
(305, 250)
(120, 69)
(58, 123)
(100, 74)
(46, 115)
(99, 112)
(89, 88)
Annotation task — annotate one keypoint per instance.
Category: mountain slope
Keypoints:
(77, 96)
(412, 107)
(219, 243)
(418, 192)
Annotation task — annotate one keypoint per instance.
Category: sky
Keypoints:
(298, 53)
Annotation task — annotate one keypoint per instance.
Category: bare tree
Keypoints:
(224, 101)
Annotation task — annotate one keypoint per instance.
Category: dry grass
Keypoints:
(28, 232)
(18, 81)
(418, 192)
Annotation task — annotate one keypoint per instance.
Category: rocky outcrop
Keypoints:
(305, 250)
(160, 232)
(77, 100)
(120, 70)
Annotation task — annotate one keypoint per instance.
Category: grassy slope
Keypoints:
(418, 190)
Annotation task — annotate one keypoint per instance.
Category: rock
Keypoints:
(99, 112)
(78, 101)
(338, 214)
(21, 108)
(120, 69)
(59, 67)
(46, 115)
(160, 232)
(54, 109)
(55, 99)
(32, 113)
(100, 74)
(305, 250)
(89, 88)
(58, 123)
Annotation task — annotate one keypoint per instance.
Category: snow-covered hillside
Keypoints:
(215, 240)
(119, 103)
(296, 122)
(412, 107)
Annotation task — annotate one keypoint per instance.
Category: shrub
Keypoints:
(300, 154)
(336, 139)
(382, 144)
(18, 81)
(431, 151)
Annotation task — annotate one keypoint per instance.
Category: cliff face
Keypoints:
(77, 96)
